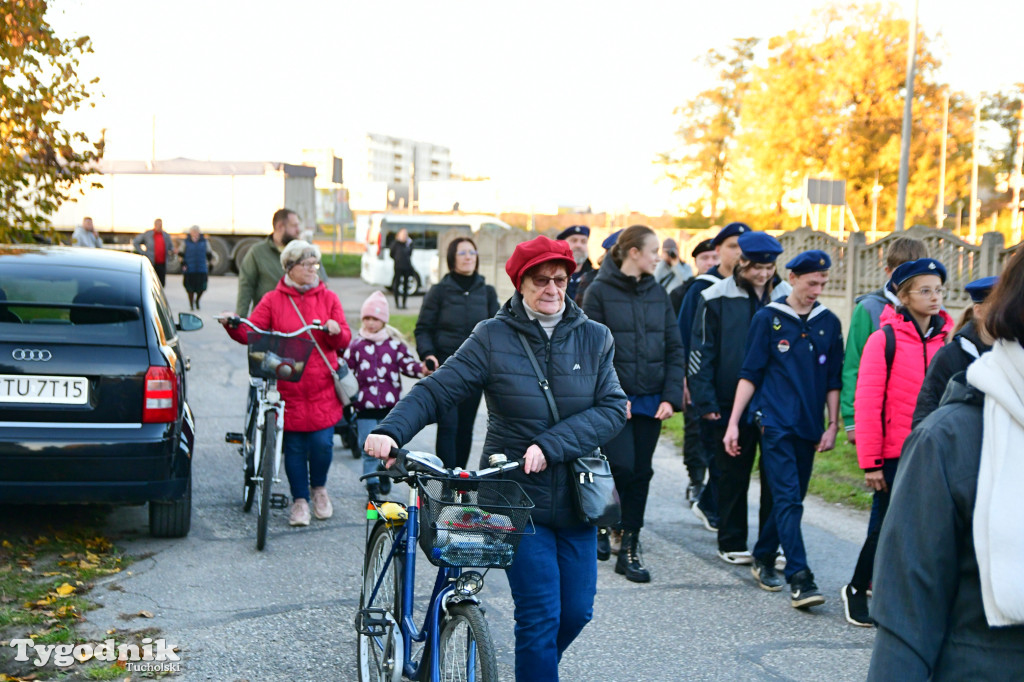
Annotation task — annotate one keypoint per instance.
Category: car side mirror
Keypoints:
(188, 322)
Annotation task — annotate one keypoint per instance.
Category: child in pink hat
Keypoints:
(378, 357)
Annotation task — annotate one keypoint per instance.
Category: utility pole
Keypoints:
(974, 174)
(908, 110)
(412, 183)
(940, 204)
(1017, 177)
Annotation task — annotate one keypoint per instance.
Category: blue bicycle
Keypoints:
(460, 519)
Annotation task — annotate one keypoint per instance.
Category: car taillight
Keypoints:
(160, 398)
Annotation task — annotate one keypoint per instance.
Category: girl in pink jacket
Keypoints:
(892, 369)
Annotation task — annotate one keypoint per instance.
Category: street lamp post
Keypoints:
(908, 110)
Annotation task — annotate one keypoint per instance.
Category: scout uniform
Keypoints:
(793, 361)
(720, 328)
(575, 277)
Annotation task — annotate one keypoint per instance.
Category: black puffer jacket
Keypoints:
(578, 362)
(449, 314)
(649, 355)
(951, 359)
(927, 591)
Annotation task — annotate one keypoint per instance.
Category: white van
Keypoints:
(424, 230)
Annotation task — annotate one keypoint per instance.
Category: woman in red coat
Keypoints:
(891, 373)
(312, 408)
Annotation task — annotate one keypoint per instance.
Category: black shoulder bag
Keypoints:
(593, 486)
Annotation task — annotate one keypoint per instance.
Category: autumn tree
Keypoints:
(829, 103)
(708, 124)
(40, 158)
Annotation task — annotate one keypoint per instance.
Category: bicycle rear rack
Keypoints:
(373, 622)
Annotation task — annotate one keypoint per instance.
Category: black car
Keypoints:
(92, 384)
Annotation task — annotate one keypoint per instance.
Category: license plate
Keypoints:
(46, 390)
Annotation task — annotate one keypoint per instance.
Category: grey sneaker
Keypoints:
(766, 576)
(803, 591)
(709, 523)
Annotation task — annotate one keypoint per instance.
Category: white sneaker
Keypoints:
(300, 513)
(780, 560)
(742, 558)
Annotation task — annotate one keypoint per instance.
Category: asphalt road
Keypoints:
(286, 613)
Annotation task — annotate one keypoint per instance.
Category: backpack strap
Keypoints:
(890, 355)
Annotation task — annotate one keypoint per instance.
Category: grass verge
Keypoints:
(342, 265)
(406, 324)
(835, 478)
(48, 566)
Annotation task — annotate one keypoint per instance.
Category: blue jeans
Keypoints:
(787, 466)
(553, 581)
(370, 464)
(307, 457)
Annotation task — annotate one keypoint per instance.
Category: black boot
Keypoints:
(604, 546)
(629, 562)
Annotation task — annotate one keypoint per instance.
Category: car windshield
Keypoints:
(70, 304)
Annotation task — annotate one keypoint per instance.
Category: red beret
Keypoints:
(536, 251)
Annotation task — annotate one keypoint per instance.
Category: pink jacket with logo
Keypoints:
(913, 354)
(310, 403)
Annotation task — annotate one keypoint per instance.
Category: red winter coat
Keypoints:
(913, 354)
(310, 403)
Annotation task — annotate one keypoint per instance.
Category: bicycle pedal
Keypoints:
(234, 437)
(278, 501)
(373, 622)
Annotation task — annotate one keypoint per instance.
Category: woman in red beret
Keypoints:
(554, 575)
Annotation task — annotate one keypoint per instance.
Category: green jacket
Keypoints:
(863, 322)
(259, 273)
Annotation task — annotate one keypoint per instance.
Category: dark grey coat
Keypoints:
(951, 359)
(927, 593)
(649, 356)
(578, 362)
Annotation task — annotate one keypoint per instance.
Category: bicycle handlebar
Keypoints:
(409, 464)
(234, 320)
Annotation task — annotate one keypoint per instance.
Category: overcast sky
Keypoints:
(569, 101)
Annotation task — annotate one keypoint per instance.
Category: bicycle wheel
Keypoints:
(249, 445)
(265, 477)
(381, 658)
(467, 652)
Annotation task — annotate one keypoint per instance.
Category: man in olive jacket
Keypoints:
(261, 268)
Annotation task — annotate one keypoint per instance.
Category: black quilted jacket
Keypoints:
(578, 362)
(649, 356)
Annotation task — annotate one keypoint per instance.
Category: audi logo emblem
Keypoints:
(31, 354)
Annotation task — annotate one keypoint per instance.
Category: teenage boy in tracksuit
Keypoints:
(717, 344)
(704, 499)
(792, 370)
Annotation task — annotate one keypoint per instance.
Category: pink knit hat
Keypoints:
(376, 306)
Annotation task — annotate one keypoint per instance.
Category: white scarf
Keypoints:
(999, 505)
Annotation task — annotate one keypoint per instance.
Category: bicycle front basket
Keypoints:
(272, 356)
(473, 522)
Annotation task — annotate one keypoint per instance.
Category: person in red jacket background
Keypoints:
(312, 408)
(891, 373)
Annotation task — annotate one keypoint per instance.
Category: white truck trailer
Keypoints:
(231, 202)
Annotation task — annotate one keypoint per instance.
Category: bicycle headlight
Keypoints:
(469, 583)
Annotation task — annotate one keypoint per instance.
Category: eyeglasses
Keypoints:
(541, 282)
(928, 292)
(466, 253)
(309, 264)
